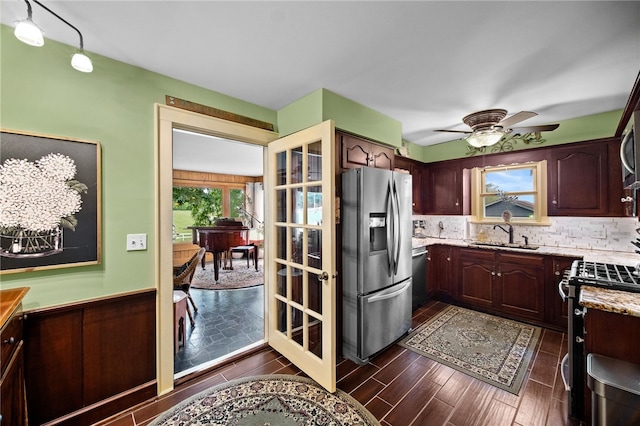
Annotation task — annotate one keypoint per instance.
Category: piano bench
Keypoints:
(251, 251)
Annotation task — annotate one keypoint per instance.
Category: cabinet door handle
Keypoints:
(493, 272)
(499, 272)
(11, 340)
(554, 201)
(448, 259)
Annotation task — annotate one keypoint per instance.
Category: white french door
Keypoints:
(301, 251)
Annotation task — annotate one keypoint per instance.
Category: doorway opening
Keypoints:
(218, 180)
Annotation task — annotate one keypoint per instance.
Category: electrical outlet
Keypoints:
(136, 242)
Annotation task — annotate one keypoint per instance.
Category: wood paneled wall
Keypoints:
(87, 361)
(205, 180)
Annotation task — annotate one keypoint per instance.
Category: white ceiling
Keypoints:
(203, 153)
(424, 63)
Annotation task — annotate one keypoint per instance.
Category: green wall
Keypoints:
(41, 93)
(348, 115)
(575, 130)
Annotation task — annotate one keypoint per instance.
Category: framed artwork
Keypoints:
(49, 202)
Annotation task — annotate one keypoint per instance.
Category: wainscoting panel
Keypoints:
(86, 361)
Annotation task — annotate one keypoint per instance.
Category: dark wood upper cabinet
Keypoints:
(583, 179)
(358, 152)
(415, 168)
(447, 189)
(578, 180)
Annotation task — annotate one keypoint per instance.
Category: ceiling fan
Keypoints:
(490, 125)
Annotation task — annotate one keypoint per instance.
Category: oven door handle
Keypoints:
(561, 291)
(564, 371)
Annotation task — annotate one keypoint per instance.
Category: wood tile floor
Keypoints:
(402, 388)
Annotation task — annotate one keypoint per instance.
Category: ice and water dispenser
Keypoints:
(377, 232)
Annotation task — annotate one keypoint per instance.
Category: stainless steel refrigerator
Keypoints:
(376, 260)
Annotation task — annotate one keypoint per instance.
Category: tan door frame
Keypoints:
(166, 119)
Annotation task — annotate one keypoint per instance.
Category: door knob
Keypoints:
(324, 276)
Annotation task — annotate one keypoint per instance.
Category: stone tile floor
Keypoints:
(227, 320)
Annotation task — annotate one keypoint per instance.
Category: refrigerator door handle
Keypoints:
(389, 295)
(396, 229)
(389, 221)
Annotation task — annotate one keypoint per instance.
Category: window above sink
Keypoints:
(515, 193)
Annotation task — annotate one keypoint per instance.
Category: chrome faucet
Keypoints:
(510, 231)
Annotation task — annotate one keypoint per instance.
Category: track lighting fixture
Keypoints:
(28, 32)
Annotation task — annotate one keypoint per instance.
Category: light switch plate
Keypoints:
(136, 242)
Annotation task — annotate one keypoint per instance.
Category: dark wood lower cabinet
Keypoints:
(612, 335)
(556, 309)
(88, 361)
(512, 284)
(441, 272)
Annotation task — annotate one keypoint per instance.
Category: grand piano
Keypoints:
(219, 239)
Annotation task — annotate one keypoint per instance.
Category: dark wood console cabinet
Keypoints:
(13, 410)
(90, 360)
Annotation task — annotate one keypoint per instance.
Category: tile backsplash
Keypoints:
(598, 233)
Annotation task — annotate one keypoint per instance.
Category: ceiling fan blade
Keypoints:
(534, 129)
(453, 131)
(516, 118)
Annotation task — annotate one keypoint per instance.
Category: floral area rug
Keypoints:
(268, 400)
(492, 349)
(239, 277)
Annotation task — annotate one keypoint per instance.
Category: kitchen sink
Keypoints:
(504, 245)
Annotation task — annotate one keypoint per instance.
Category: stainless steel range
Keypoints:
(603, 275)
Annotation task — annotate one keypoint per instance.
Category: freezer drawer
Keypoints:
(383, 318)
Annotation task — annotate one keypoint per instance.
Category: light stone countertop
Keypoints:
(602, 256)
(618, 302)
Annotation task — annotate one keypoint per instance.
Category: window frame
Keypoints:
(540, 216)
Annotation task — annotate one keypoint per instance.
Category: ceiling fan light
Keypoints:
(81, 62)
(482, 138)
(29, 33)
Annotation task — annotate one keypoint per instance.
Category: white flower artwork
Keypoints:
(50, 212)
(36, 198)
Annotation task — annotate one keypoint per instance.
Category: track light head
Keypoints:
(28, 32)
(81, 62)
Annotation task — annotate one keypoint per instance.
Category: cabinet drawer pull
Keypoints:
(11, 340)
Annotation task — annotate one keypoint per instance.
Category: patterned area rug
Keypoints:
(268, 400)
(492, 349)
(239, 277)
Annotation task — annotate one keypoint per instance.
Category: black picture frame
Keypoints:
(78, 247)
